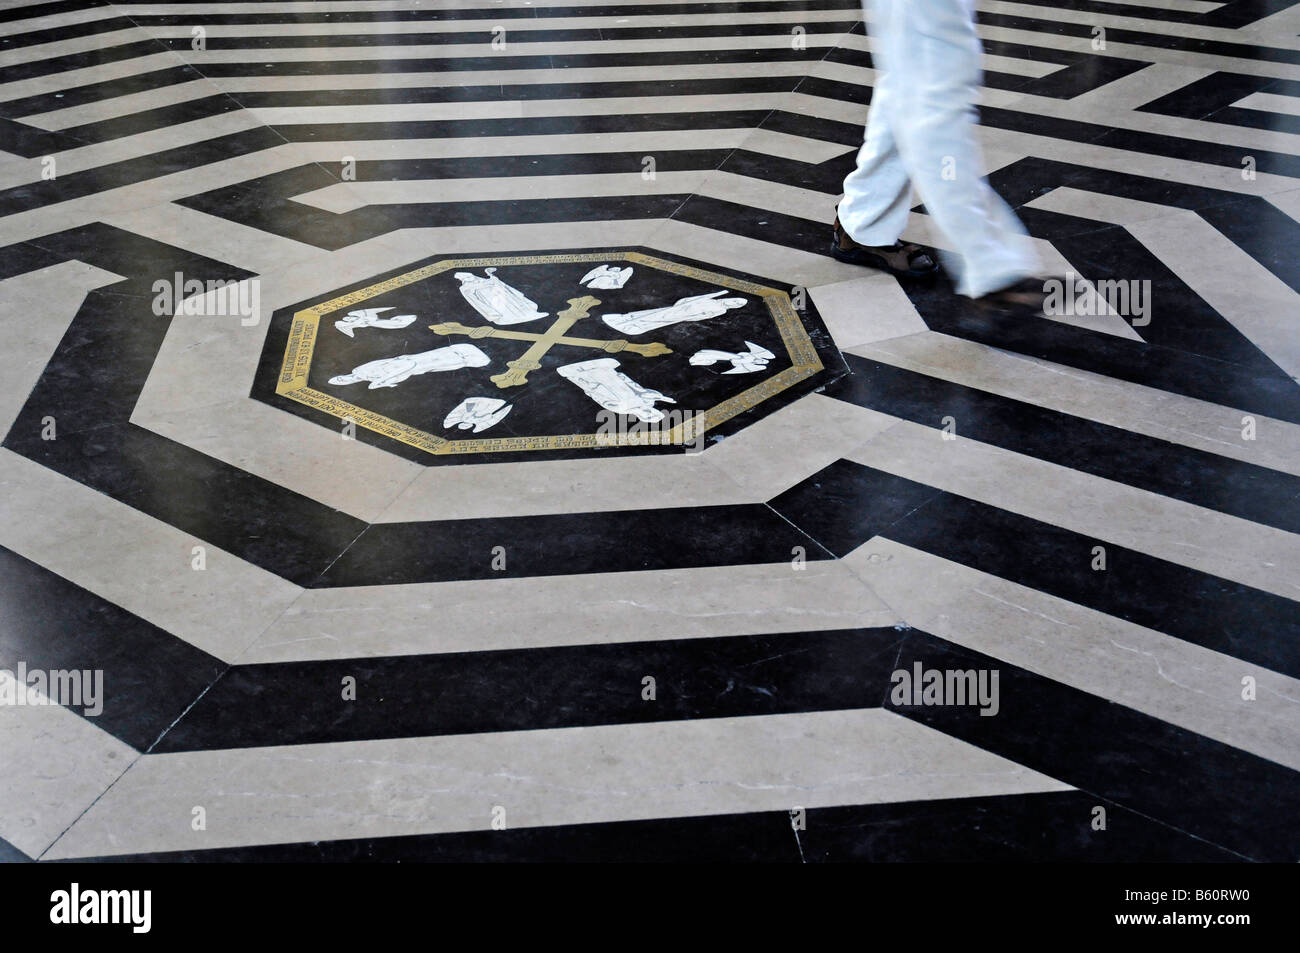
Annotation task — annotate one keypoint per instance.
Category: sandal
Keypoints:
(1026, 298)
(906, 259)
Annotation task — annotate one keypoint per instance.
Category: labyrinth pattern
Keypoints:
(317, 645)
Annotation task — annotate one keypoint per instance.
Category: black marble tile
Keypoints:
(1013, 828)
(161, 117)
(825, 177)
(98, 92)
(147, 677)
(1263, 231)
(813, 127)
(1042, 124)
(1033, 176)
(97, 372)
(530, 689)
(507, 92)
(1178, 317)
(1205, 479)
(154, 165)
(1116, 8)
(846, 504)
(760, 224)
(1238, 13)
(9, 854)
(1179, 372)
(563, 544)
(509, 61)
(19, 259)
(1091, 72)
(281, 531)
(77, 61)
(1165, 41)
(685, 30)
(276, 215)
(1257, 119)
(991, 79)
(596, 208)
(1220, 794)
(839, 90)
(139, 259)
(1200, 98)
(523, 126)
(1023, 828)
(90, 387)
(99, 368)
(62, 32)
(564, 163)
(743, 838)
(21, 139)
(1200, 150)
(27, 11)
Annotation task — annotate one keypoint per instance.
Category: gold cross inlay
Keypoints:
(531, 359)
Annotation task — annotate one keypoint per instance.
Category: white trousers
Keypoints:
(921, 132)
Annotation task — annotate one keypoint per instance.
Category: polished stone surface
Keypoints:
(299, 602)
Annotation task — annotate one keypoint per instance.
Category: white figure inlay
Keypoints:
(391, 371)
(370, 318)
(746, 362)
(606, 277)
(615, 391)
(496, 300)
(477, 413)
(695, 308)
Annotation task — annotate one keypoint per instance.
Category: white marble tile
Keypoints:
(540, 612)
(1178, 682)
(540, 778)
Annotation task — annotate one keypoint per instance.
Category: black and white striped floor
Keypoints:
(316, 648)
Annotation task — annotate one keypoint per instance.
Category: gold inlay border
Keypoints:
(292, 380)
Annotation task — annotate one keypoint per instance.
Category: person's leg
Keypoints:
(877, 199)
(878, 193)
(931, 52)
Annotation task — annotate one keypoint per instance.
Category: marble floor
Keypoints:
(438, 430)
